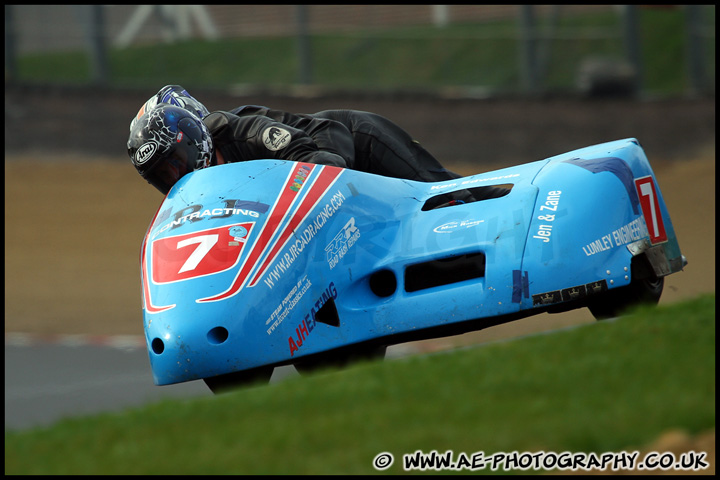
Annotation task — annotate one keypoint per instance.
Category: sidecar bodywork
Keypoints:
(258, 264)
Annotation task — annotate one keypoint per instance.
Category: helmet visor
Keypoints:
(167, 172)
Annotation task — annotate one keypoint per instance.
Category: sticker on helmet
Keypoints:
(145, 152)
(276, 138)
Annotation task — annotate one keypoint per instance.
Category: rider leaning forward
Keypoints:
(174, 134)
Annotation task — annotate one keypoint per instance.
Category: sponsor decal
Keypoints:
(300, 177)
(443, 187)
(454, 226)
(466, 183)
(207, 213)
(193, 213)
(568, 294)
(276, 138)
(342, 242)
(551, 203)
(306, 327)
(286, 306)
(632, 232)
(145, 152)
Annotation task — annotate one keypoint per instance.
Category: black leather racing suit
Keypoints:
(352, 139)
(259, 137)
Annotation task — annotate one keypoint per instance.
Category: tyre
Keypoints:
(645, 291)
(340, 359)
(235, 380)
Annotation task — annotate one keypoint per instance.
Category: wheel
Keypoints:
(645, 291)
(340, 359)
(235, 380)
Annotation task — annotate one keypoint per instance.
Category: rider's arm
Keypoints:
(259, 137)
(328, 134)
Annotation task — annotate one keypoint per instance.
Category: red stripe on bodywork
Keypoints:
(279, 211)
(325, 180)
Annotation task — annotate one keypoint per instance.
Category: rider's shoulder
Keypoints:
(218, 120)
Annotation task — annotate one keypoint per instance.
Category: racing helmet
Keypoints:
(167, 142)
(178, 96)
(173, 95)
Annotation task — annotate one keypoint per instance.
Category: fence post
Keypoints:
(695, 49)
(304, 47)
(528, 49)
(631, 28)
(10, 46)
(96, 40)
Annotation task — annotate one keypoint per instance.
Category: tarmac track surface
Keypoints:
(50, 378)
(63, 376)
(47, 382)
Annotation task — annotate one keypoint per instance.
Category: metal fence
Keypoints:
(542, 45)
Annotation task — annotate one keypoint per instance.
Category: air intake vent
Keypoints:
(328, 314)
(469, 195)
(383, 283)
(444, 271)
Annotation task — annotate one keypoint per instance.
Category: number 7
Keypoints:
(651, 208)
(647, 190)
(205, 244)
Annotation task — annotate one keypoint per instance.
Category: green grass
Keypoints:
(478, 55)
(597, 388)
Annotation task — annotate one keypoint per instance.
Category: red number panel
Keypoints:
(651, 209)
(199, 253)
